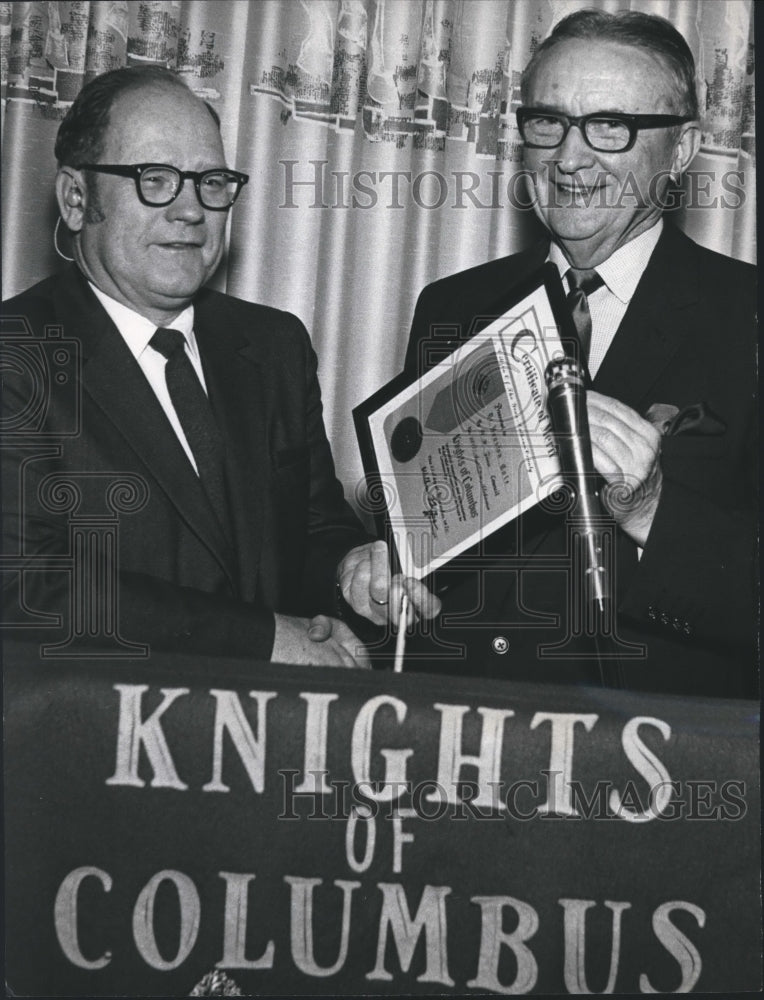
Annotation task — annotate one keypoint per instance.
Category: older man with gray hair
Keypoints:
(609, 118)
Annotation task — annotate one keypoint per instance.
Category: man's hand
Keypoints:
(319, 641)
(366, 584)
(626, 451)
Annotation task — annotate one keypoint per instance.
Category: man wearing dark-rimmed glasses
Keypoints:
(204, 408)
(609, 122)
(159, 184)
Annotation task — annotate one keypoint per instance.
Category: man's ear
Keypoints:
(686, 148)
(72, 196)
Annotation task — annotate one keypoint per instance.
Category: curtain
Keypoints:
(379, 138)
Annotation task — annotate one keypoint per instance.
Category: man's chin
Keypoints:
(182, 287)
(173, 297)
(573, 224)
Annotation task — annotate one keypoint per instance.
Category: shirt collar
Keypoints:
(623, 269)
(136, 330)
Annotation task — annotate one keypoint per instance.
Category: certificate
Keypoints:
(468, 446)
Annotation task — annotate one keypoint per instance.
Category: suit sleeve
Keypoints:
(696, 580)
(333, 528)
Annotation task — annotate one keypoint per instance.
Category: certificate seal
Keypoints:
(406, 440)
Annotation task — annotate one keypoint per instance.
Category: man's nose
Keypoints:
(574, 153)
(186, 206)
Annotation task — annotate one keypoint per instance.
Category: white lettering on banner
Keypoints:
(132, 733)
(451, 758)
(648, 766)
(235, 934)
(575, 943)
(399, 837)
(492, 937)
(561, 758)
(431, 915)
(677, 945)
(395, 920)
(65, 916)
(229, 715)
(317, 929)
(395, 760)
(316, 731)
(135, 733)
(143, 920)
(302, 924)
(364, 813)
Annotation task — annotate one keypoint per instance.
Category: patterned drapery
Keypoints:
(380, 141)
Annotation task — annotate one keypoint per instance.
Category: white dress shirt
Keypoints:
(137, 331)
(621, 273)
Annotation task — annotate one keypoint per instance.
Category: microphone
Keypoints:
(566, 402)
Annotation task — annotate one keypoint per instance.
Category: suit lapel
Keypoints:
(116, 384)
(234, 377)
(502, 293)
(657, 322)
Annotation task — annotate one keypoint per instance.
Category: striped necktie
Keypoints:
(582, 282)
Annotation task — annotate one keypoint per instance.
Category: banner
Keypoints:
(296, 831)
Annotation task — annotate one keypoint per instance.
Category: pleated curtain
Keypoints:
(380, 141)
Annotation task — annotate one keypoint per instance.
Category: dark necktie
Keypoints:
(196, 418)
(582, 282)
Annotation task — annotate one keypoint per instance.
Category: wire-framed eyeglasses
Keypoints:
(603, 131)
(159, 184)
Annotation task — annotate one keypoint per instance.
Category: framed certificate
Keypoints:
(468, 446)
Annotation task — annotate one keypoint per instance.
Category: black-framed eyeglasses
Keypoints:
(159, 184)
(605, 132)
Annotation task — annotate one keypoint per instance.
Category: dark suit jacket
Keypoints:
(688, 336)
(182, 586)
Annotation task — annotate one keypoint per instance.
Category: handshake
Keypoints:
(371, 591)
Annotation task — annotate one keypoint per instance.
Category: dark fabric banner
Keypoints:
(313, 831)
